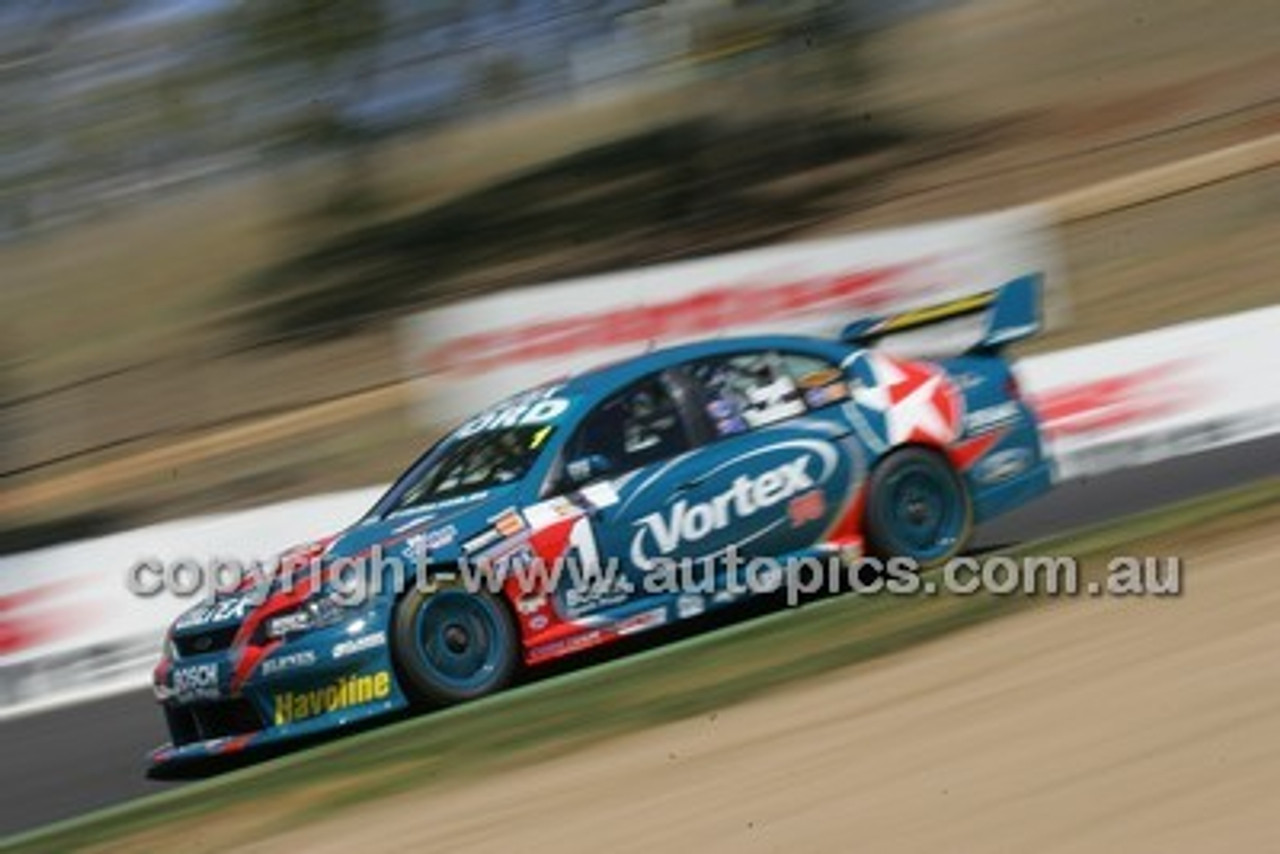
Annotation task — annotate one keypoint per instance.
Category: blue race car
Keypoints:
(610, 503)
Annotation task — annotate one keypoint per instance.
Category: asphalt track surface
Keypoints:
(65, 762)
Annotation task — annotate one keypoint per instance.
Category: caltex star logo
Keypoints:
(916, 402)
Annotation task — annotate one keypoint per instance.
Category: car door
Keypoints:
(746, 455)
(776, 474)
(618, 461)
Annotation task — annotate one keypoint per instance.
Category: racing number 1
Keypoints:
(582, 545)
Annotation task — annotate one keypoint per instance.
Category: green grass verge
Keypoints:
(697, 676)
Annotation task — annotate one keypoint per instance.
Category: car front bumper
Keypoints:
(241, 698)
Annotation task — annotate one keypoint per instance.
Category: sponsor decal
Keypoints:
(928, 314)
(903, 401)
(767, 404)
(415, 547)
(809, 506)
(818, 397)
(731, 426)
(508, 560)
(549, 512)
(539, 406)
(425, 542)
(580, 600)
(508, 523)
(565, 646)
(531, 604)
(295, 621)
(821, 377)
(687, 522)
(690, 605)
(359, 645)
(721, 409)
(481, 541)
(1003, 465)
(346, 693)
(644, 620)
(538, 622)
(196, 682)
(598, 496)
(438, 538)
(222, 611)
(417, 522)
(435, 507)
(992, 417)
(288, 661)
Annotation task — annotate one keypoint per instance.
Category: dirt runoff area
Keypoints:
(1091, 725)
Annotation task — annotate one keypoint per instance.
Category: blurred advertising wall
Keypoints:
(477, 351)
(69, 626)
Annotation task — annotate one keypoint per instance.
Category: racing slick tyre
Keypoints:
(452, 645)
(917, 508)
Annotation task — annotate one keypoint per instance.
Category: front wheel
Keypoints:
(453, 645)
(917, 508)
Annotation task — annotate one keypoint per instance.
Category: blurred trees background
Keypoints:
(187, 185)
(128, 98)
(335, 45)
(710, 182)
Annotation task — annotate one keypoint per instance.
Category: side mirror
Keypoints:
(583, 470)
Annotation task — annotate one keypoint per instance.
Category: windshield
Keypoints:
(480, 461)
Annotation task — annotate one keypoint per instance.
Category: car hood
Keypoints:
(435, 531)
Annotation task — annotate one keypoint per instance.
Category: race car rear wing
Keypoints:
(1012, 313)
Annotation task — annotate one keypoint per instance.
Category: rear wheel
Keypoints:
(453, 645)
(917, 507)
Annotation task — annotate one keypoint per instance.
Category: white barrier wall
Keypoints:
(1160, 394)
(479, 351)
(69, 627)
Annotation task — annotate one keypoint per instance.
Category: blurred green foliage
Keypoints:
(688, 189)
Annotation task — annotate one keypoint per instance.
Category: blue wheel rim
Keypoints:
(922, 511)
(462, 642)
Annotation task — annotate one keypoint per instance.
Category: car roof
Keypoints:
(597, 382)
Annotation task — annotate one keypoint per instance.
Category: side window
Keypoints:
(749, 390)
(821, 383)
(746, 390)
(638, 426)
